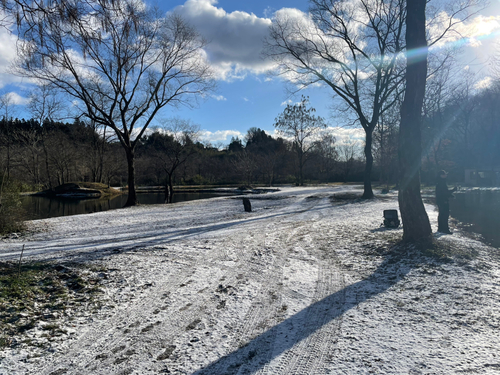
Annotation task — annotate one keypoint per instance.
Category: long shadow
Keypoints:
(136, 240)
(271, 344)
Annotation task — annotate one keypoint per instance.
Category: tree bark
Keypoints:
(367, 180)
(416, 225)
(132, 194)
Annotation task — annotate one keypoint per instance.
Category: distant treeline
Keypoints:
(44, 156)
(461, 129)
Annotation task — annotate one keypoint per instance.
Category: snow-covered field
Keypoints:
(304, 284)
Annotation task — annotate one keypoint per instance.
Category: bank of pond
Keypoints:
(42, 207)
(477, 210)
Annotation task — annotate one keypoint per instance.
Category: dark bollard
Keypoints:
(247, 205)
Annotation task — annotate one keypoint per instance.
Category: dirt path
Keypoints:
(292, 288)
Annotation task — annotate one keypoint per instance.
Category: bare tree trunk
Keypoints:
(416, 226)
(301, 166)
(132, 195)
(101, 156)
(367, 181)
(167, 190)
(171, 187)
(46, 154)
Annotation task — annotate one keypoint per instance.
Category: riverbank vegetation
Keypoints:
(11, 214)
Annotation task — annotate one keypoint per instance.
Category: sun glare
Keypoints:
(488, 26)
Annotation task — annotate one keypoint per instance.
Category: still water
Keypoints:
(480, 208)
(43, 207)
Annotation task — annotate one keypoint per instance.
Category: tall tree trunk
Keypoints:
(47, 165)
(167, 189)
(101, 156)
(171, 187)
(301, 166)
(367, 181)
(416, 226)
(8, 156)
(132, 195)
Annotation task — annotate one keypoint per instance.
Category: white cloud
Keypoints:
(235, 38)
(246, 99)
(471, 32)
(17, 99)
(283, 104)
(219, 135)
(7, 57)
(484, 83)
(219, 98)
(345, 136)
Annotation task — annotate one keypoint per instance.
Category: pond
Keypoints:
(479, 209)
(37, 207)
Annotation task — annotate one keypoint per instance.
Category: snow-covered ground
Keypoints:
(304, 284)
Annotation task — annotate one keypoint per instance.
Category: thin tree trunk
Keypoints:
(132, 195)
(167, 191)
(171, 186)
(416, 226)
(8, 157)
(301, 165)
(367, 182)
(46, 154)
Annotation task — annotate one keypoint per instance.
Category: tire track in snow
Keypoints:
(307, 355)
(283, 236)
(95, 343)
(272, 246)
(262, 313)
(176, 318)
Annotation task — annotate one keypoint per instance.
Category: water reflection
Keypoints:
(43, 207)
(481, 209)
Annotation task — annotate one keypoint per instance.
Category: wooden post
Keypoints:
(247, 205)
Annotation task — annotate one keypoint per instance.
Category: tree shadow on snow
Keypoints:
(100, 248)
(302, 326)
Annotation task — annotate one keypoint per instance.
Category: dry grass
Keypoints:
(41, 292)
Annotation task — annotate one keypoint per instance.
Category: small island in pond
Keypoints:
(80, 190)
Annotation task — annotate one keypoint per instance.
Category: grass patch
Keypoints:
(41, 292)
(439, 251)
(105, 190)
(447, 251)
(345, 198)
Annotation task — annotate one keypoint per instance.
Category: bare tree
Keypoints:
(119, 61)
(416, 225)
(299, 123)
(385, 138)
(347, 155)
(172, 148)
(7, 109)
(354, 48)
(45, 106)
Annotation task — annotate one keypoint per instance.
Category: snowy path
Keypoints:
(302, 285)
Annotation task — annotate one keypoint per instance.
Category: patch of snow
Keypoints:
(301, 285)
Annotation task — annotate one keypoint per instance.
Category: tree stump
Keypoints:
(247, 205)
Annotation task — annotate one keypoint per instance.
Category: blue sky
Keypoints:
(256, 100)
(247, 96)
